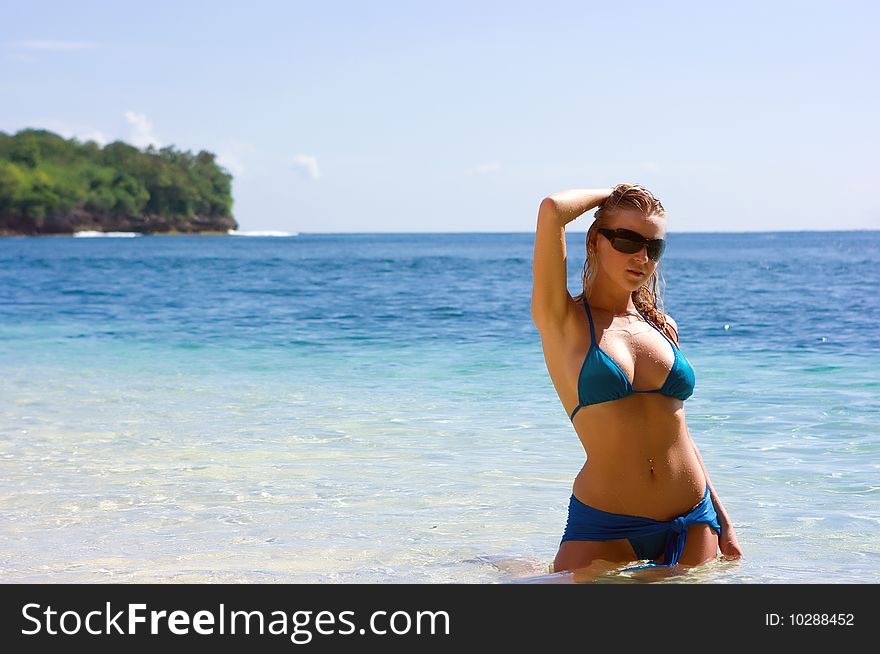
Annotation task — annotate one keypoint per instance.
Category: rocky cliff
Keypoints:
(78, 220)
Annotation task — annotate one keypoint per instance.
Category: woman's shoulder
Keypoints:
(670, 322)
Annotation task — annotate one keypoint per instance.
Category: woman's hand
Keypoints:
(728, 544)
(568, 205)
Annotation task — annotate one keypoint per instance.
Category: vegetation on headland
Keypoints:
(52, 185)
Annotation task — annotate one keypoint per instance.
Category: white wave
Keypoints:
(92, 234)
(234, 232)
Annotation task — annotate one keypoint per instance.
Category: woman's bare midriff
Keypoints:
(639, 458)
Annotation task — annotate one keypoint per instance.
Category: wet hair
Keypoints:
(648, 298)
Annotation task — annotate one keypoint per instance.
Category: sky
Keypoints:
(462, 116)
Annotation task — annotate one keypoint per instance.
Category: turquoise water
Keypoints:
(375, 408)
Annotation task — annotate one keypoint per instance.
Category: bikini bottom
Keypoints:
(649, 538)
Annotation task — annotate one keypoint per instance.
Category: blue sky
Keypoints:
(461, 116)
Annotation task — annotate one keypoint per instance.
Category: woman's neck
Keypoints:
(616, 301)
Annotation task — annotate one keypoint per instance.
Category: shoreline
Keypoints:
(72, 234)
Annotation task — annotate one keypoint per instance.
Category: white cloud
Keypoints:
(308, 164)
(649, 166)
(141, 130)
(53, 45)
(484, 169)
(231, 163)
(235, 156)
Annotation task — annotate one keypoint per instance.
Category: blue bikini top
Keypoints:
(602, 380)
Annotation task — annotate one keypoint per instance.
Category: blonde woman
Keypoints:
(613, 356)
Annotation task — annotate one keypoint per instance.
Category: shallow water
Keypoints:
(375, 408)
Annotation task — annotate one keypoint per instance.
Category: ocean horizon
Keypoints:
(271, 232)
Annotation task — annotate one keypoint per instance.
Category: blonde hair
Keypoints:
(648, 298)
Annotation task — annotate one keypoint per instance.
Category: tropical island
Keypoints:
(53, 185)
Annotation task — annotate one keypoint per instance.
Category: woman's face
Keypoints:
(620, 267)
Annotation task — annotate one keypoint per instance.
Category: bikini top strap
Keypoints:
(590, 316)
(662, 333)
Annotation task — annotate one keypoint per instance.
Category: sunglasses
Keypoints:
(623, 240)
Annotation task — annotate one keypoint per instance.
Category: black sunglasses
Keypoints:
(623, 240)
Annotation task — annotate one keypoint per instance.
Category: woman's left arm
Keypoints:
(727, 543)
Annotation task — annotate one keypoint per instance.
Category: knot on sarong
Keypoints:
(679, 525)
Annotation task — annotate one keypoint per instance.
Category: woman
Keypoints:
(613, 357)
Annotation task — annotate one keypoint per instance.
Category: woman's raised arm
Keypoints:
(550, 298)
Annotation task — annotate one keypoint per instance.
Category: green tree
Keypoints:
(43, 174)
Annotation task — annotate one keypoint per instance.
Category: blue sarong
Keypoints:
(649, 538)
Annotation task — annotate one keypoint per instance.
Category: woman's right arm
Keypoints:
(551, 301)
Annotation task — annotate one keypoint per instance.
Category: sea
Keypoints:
(375, 408)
